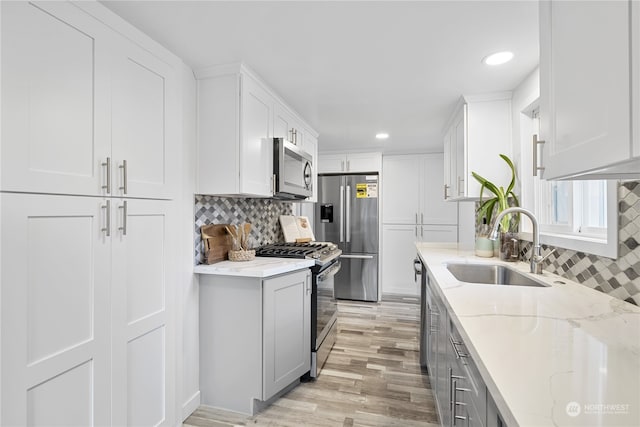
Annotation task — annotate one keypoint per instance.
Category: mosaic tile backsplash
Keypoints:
(263, 214)
(619, 278)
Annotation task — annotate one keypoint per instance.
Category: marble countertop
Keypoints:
(559, 355)
(258, 267)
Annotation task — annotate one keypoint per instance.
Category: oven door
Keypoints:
(293, 168)
(326, 307)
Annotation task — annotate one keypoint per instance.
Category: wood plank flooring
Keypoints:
(372, 377)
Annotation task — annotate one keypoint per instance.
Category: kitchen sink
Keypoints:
(493, 274)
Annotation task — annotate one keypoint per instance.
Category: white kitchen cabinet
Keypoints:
(286, 331)
(401, 189)
(144, 124)
(55, 98)
(237, 111)
(350, 163)
(142, 310)
(79, 99)
(286, 125)
(449, 158)
(87, 301)
(413, 210)
(413, 191)
(587, 94)
(478, 131)
(399, 251)
(235, 114)
(254, 337)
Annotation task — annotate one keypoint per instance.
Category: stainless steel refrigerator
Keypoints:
(347, 214)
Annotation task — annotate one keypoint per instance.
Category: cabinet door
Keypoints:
(459, 141)
(55, 99)
(432, 336)
(256, 156)
(584, 85)
(142, 313)
(144, 128)
(449, 165)
(283, 122)
(55, 311)
(331, 163)
(401, 190)
(286, 330)
(398, 253)
(364, 162)
(433, 208)
(443, 363)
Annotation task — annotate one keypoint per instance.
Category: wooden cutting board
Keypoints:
(217, 242)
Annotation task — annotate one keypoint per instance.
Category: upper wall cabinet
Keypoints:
(350, 163)
(55, 99)
(236, 112)
(85, 111)
(145, 98)
(587, 94)
(477, 132)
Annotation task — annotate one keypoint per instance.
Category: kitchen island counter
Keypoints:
(558, 355)
(258, 267)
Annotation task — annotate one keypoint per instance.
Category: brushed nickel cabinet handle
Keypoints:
(536, 168)
(124, 218)
(446, 196)
(107, 186)
(460, 186)
(107, 229)
(123, 166)
(348, 167)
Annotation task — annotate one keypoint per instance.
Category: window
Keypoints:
(578, 215)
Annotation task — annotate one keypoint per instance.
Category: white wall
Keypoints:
(188, 335)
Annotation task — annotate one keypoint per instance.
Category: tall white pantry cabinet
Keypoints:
(90, 130)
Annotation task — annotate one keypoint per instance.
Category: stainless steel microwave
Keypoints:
(292, 171)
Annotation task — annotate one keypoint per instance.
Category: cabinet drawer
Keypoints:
(477, 391)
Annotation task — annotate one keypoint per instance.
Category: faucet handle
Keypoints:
(543, 258)
(537, 260)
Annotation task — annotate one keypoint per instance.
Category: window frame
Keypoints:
(592, 241)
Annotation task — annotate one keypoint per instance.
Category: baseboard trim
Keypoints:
(190, 406)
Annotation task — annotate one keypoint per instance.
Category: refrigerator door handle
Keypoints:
(348, 203)
(357, 256)
(341, 213)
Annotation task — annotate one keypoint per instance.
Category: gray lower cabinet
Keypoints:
(460, 393)
(254, 338)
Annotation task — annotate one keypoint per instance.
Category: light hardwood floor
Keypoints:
(372, 377)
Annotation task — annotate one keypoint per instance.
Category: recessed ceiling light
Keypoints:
(498, 58)
(382, 135)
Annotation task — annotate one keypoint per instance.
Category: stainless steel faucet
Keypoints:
(536, 258)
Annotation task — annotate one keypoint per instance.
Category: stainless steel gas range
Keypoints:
(324, 309)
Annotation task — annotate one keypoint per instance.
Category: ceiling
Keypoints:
(355, 68)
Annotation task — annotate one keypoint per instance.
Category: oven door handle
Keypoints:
(329, 272)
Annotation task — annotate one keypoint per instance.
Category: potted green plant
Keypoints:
(502, 199)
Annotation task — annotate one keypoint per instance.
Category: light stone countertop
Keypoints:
(542, 349)
(258, 267)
